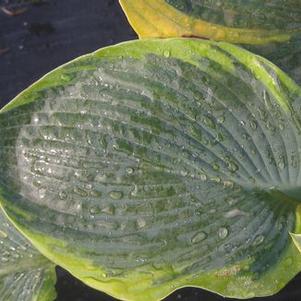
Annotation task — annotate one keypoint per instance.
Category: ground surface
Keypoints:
(47, 35)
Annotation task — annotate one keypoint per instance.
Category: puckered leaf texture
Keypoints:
(158, 164)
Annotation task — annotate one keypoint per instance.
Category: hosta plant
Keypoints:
(157, 164)
(270, 28)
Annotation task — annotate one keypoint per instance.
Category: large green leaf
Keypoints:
(269, 28)
(158, 164)
(25, 275)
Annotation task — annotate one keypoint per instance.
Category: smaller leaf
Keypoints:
(25, 275)
(259, 26)
(235, 21)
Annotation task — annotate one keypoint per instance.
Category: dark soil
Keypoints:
(37, 37)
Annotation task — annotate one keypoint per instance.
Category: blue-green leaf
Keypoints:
(166, 163)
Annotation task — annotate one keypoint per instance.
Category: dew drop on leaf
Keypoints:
(183, 173)
(141, 222)
(234, 213)
(116, 195)
(203, 177)
(109, 210)
(228, 184)
(63, 195)
(3, 234)
(215, 166)
(258, 240)
(223, 232)
(253, 125)
(221, 119)
(216, 179)
(4, 259)
(281, 163)
(232, 166)
(166, 53)
(129, 170)
(198, 237)
(42, 193)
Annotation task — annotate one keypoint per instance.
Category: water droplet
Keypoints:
(80, 191)
(223, 232)
(253, 125)
(215, 166)
(65, 77)
(94, 210)
(270, 126)
(221, 119)
(100, 177)
(258, 240)
(78, 207)
(166, 53)
(129, 170)
(208, 121)
(3, 234)
(198, 237)
(141, 222)
(35, 119)
(281, 163)
(108, 210)
(183, 173)
(216, 179)
(228, 184)
(42, 193)
(116, 195)
(234, 213)
(115, 147)
(233, 167)
(63, 195)
(88, 186)
(203, 177)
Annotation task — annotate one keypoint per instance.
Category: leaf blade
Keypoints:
(169, 134)
(260, 31)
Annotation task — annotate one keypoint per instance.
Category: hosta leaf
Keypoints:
(273, 26)
(236, 21)
(154, 165)
(25, 275)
